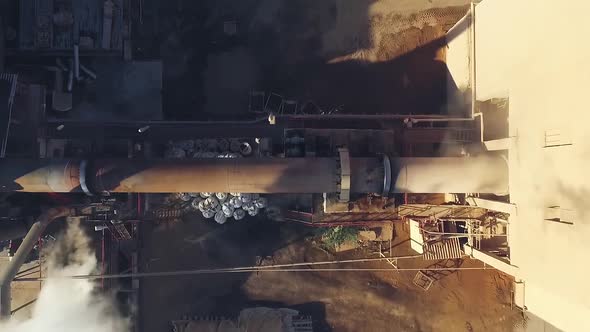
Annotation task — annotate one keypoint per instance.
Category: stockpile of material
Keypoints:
(224, 206)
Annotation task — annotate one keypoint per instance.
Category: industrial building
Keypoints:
(539, 70)
(485, 167)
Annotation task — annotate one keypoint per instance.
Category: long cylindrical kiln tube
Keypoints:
(485, 174)
(244, 175)
(264, 175)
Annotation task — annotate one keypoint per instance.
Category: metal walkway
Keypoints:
(444, 249)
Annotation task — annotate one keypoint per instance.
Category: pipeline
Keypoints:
(21, 254)
(383, 175)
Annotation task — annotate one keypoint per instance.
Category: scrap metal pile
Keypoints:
(224, 206)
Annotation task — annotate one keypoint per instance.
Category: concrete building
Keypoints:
(530, 56)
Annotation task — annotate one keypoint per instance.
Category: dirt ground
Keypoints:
(362, 56)
(473, 300)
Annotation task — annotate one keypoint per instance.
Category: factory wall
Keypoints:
(490, 59)
(533, 52)
(458, 57)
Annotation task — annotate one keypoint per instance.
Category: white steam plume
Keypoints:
(66, 305)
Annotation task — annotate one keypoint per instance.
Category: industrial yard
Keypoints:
(292, 166)
(334, 299)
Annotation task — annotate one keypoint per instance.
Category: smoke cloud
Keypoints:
(71, 305)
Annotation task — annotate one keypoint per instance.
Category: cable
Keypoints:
(222, 271)
(248, 268)
(264, 267)
(358, 260)
(269, 268)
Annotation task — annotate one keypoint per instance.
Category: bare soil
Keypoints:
(338, 301)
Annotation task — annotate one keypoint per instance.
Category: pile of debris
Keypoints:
(224, 206)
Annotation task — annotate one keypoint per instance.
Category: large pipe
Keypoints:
(21, 255)
(481, 174)
(257, 175)
(269, 175)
